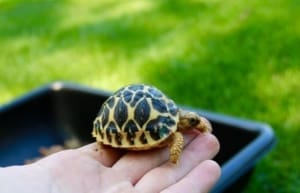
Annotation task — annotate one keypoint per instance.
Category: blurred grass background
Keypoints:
(240, 58)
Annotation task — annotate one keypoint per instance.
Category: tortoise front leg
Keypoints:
(176, 146)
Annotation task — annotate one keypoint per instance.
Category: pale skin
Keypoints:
(112, 171)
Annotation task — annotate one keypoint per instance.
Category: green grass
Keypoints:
(240, 58)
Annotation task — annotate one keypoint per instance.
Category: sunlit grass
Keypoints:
(281, 93)
(82, 13)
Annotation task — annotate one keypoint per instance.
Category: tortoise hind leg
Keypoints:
(176, 146)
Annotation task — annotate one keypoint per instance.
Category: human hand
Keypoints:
(112, 171)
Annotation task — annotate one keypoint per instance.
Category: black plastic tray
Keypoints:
(55, 112)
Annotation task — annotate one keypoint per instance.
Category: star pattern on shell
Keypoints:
(136, 117)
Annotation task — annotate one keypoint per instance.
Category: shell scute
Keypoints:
(153, 129)
(130, 129)
(136, 87)
(110, 129)
(143, 139)
(173, 109)
(135, 100)
(159, 105)
(104, 116)
(142, 112)
(120, 113)
(155, 92)
(111, 102)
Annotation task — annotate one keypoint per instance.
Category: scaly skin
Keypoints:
(176, 147)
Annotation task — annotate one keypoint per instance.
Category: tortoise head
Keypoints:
(191, 120)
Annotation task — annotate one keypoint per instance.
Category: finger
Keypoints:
(105, 155)
(200, 180)
(203, 147)
(135, 164)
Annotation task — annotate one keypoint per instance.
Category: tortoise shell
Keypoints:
(136, 117)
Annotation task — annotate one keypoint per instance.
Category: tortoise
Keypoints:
(141, 117)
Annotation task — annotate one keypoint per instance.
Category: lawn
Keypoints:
(240, 58)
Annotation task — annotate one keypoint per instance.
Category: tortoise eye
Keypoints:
(194, 121)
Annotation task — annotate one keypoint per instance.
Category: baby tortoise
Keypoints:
(140, 117)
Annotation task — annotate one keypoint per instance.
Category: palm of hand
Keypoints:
(111, 171)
